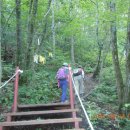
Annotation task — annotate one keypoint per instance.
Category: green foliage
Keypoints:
(36, 86)
(108, 60)
(41, 87)
(1, 117)
(125, 124)
(7, 71)
(77, 19)
(108, 76)
(88, 69)
(6, 99)
(92, 109)
(105, 94)
(40, 94)
(100, 117)
(127, 105)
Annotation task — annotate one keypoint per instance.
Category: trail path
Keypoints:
(89, 83)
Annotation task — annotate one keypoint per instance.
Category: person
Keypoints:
(78, 76)
(62, 78)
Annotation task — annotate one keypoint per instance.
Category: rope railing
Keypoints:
(19, 71)
(86, 115)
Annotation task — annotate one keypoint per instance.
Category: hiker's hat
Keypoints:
(65, 64)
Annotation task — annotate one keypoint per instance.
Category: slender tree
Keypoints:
(72, 50)
(31, 26)
(53, 27)
(44, 31)
(118, 75)
(72, 37)
(18, 31)
(1, 1)
(100, 45)
(128, 59)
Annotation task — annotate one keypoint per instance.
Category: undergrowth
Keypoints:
(102, 104)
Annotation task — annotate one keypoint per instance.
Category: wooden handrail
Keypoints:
(72, 97)
(14, 109)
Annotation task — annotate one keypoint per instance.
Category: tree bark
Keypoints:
(72, 42)
(53, 27)
(72, 50)
(118, 75)
(43, 36)
(18, 32)
(98, 66)
(31, 26)
(100, 46)
(1, 1)
(128, 59)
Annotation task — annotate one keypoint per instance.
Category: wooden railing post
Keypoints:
(1, 128)
(16, 91)
(72, 96)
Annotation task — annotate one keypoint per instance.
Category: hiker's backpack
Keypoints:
(77, 72)
(62, 73)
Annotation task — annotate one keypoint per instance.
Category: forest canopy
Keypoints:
(39, 35)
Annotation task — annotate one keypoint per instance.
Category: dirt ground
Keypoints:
(89, 84)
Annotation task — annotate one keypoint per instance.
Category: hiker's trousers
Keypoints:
(63, 86)
(79, 84)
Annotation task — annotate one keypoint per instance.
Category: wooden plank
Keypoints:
(43, 105)
(74, 129)
(40, 122)
(40, 112)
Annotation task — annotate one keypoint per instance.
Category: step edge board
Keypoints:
(42, 105)
(41, 112)
(40, 122)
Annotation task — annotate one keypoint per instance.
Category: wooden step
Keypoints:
(43, 105)
(74, 129)
(40, 122)
(40, 112)
(50, 106)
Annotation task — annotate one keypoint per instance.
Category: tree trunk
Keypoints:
(118, 75)
(43, 36)
(53, 27)
(18, 32)
(1, 1)
(31, 25)
(128, 60)
(72, 50)
(98, 66)
(4, 45)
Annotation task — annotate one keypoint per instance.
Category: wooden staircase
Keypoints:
(32, 117)
(53, 116)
